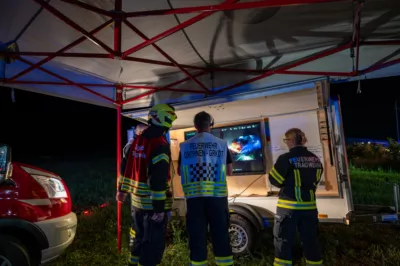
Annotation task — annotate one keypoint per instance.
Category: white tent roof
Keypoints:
(258, 39)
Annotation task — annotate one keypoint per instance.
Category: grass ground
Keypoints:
(93, 183)
(370, 187)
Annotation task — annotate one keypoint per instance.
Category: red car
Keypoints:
(36, 221)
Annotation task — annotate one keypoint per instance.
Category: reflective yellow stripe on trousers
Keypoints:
(198, 263)
(133, 260)
(224, 261)
(281, 262)
(132, 233)
(309, 262)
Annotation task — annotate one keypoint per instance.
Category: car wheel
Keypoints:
(242, 235)
(12, 252)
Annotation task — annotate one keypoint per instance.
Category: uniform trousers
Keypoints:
(213, 212)
(148, 239)
(287, 223)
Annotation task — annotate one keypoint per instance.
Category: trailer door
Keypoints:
(339, 151)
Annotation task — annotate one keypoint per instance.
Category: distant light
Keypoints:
(88, 212)
(369, 142)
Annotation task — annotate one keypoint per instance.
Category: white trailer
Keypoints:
(252, 198)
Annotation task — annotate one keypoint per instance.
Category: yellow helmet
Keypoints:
(162, 115)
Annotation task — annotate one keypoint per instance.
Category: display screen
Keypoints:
(189, 134)
(245, 145)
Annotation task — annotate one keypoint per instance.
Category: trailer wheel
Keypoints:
(242, 235)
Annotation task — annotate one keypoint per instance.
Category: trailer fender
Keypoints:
(248, 213)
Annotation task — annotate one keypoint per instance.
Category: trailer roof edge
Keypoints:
(264, 92)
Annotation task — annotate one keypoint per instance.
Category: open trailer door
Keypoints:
(357, 213)
(339, 154)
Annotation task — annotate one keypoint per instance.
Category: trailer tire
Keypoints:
(242, 234)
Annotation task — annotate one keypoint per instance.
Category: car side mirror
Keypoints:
(5, 162)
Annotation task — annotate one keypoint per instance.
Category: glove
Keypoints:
(158, 217)
(121, 196)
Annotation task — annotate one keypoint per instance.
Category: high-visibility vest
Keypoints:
(203, 166)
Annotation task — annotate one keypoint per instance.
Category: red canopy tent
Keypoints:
(101, 52)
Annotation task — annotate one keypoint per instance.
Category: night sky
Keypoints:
(38, 125)
(370, 114)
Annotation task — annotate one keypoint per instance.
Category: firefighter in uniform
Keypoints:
(297, 174)
(146, 176)
(138, 131)
(204, 163)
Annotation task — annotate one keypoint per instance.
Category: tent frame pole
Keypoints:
(118, 100)
(119, 90)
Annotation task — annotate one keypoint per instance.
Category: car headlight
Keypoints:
(54, 187)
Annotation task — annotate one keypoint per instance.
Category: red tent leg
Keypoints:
(119, 151)
(117, 52)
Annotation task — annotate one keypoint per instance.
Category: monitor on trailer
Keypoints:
(245, 145)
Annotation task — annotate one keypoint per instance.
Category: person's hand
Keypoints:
(121, 196)
(140, 128)
(158, 217)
